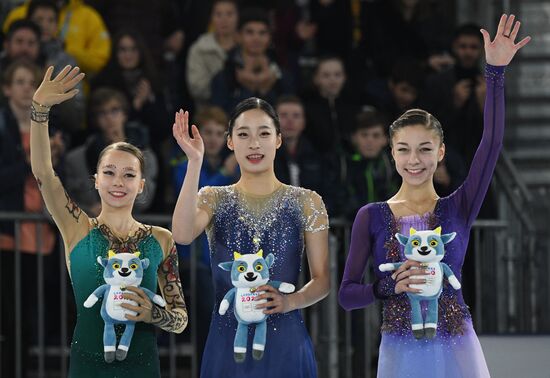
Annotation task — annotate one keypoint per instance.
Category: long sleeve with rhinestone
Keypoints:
(353, 293)
(469, 197)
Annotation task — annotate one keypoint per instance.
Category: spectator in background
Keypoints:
(82, 32)
(297, 162)
(131, 71)
(109, 109)
(45, 14)
(398, 93)
(330, 108)
(450, 172)
(371, 174)
(294, 37)
(207, 55)
(20, 193)
(416, 29)
(22, 41)
(328, 39)
(457, 95)
(156, 21)
(249, 70)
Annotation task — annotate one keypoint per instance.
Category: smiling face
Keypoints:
(250, 270)
(416, 151)
(255, 141)
(124, 269)
(424, 246)
(119, 179)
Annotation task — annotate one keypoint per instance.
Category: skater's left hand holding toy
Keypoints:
(276, 301)
(144, 305)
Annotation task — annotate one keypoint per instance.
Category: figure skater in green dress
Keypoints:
(119, 180)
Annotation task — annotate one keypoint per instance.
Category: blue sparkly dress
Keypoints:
(277, 223)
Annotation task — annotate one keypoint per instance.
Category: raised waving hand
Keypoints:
(192, 145)
(501, 50)
(61, 88)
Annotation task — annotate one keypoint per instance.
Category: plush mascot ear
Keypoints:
(101, 261)
(446, 238)
(402, 238)
(269, 260)
(226, 265)
(145, 263)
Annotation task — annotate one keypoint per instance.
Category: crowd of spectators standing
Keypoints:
(339, 85)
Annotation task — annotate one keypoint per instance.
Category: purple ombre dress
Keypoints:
(455, 351)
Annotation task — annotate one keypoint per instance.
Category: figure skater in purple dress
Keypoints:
(417, 147)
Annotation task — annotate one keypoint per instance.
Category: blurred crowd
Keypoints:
(337, 86)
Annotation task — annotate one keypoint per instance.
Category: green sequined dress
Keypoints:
(87, 357)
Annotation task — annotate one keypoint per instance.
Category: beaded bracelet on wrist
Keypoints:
(39, 113)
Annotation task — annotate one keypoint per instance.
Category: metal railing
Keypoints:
(346, 343)
(520, 298)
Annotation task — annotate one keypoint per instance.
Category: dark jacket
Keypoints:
(462, 126)
(369, 180)
(316, 172)
(329, 124)
(13, 167)
(227, 92)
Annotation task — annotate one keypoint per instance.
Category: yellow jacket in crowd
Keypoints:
(82, 30)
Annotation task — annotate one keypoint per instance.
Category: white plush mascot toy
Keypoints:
(248, 272)
(426, 247)
(121, 270)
